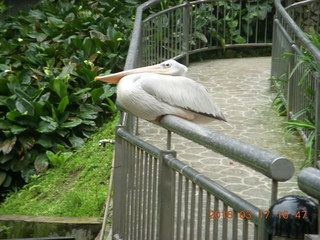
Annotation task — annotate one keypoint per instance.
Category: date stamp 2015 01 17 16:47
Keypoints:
(262, 214)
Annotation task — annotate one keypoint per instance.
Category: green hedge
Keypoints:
(49, 102)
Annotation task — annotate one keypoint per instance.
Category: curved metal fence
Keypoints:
(197, 26)
(156, 195)
(298, 85)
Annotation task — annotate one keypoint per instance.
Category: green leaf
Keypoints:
(96, 94)
(89, 46)
(27, 142)
(55, 22)
(24, 104)
(48, 125)
(63, 104)
(15, 129)
(77, 142)
(4, 124)
(8, 181)
(41, 163)
(67, 70)
(71, 124)
(97, 34)
(59, 86)
(201, 36)
(300, 124)
(8, 145)
(40, 37)
(13, 115)
(3, 176)
(46, 141)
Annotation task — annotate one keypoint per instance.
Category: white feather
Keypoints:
(151, 96)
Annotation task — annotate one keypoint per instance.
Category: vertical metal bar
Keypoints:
(215, 220)
(255, 232)
(257, 22)
(225, 222)
(140, 187)
(154, 199)
(199, 227)
(245, 229)
(217, 22)
(274, 191)
(179, 207)
(145, 195)
(208, 220)
(166, 198)
(118, 185)
(317, 119)
(136, 196)
(234, 225)
(169, 134)
(224, 21)
(150, 192)
(130, 151)
(126, 172)
(318, 217)
(291, 86)
(186, 204)
(192, 210)
(186, 33)
(248, 27)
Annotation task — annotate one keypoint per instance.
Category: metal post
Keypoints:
(186, 31)
(291, 82)
(166, 198)
(169, 140)
(317, 119)
(274, 191)
(119, 186)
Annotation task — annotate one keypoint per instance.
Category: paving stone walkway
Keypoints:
(242, 90)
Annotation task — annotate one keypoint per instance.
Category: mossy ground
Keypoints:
(76, 188)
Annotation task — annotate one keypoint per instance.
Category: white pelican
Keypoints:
(154, 91)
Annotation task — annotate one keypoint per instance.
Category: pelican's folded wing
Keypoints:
(181, 92)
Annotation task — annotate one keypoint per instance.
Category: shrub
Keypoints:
(48, 98)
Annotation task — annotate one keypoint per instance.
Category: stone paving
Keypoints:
(242, 90)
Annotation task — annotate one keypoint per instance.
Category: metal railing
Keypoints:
(309, 182)
(299, 88)
(197, 26)
(156, 196)
(159, 197)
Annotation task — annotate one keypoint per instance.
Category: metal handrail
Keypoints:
(289, 38)
(309, 182)
(297, 30)
(134, 164)
(270, 164)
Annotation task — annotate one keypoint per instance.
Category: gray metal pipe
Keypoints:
(265, 162)
(297, 30)
(309, 182)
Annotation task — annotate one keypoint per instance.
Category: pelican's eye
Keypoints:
(166, 65)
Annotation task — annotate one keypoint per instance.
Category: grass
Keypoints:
(76, 188)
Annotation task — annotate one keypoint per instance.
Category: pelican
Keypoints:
(158, 90)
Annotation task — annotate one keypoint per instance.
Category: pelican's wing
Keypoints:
(181, 92)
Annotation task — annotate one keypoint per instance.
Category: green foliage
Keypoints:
(78, 187)
(308, 126)
(230, 22)
(278, 101)
(48, 97)
(304, 120)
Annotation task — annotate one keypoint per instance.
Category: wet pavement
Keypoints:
(242, 90)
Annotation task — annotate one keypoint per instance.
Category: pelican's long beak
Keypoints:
(116, 77)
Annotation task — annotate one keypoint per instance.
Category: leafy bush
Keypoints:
(304, 119)
(48, 60)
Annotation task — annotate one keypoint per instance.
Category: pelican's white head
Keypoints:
(169, 67)
(174, 68)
